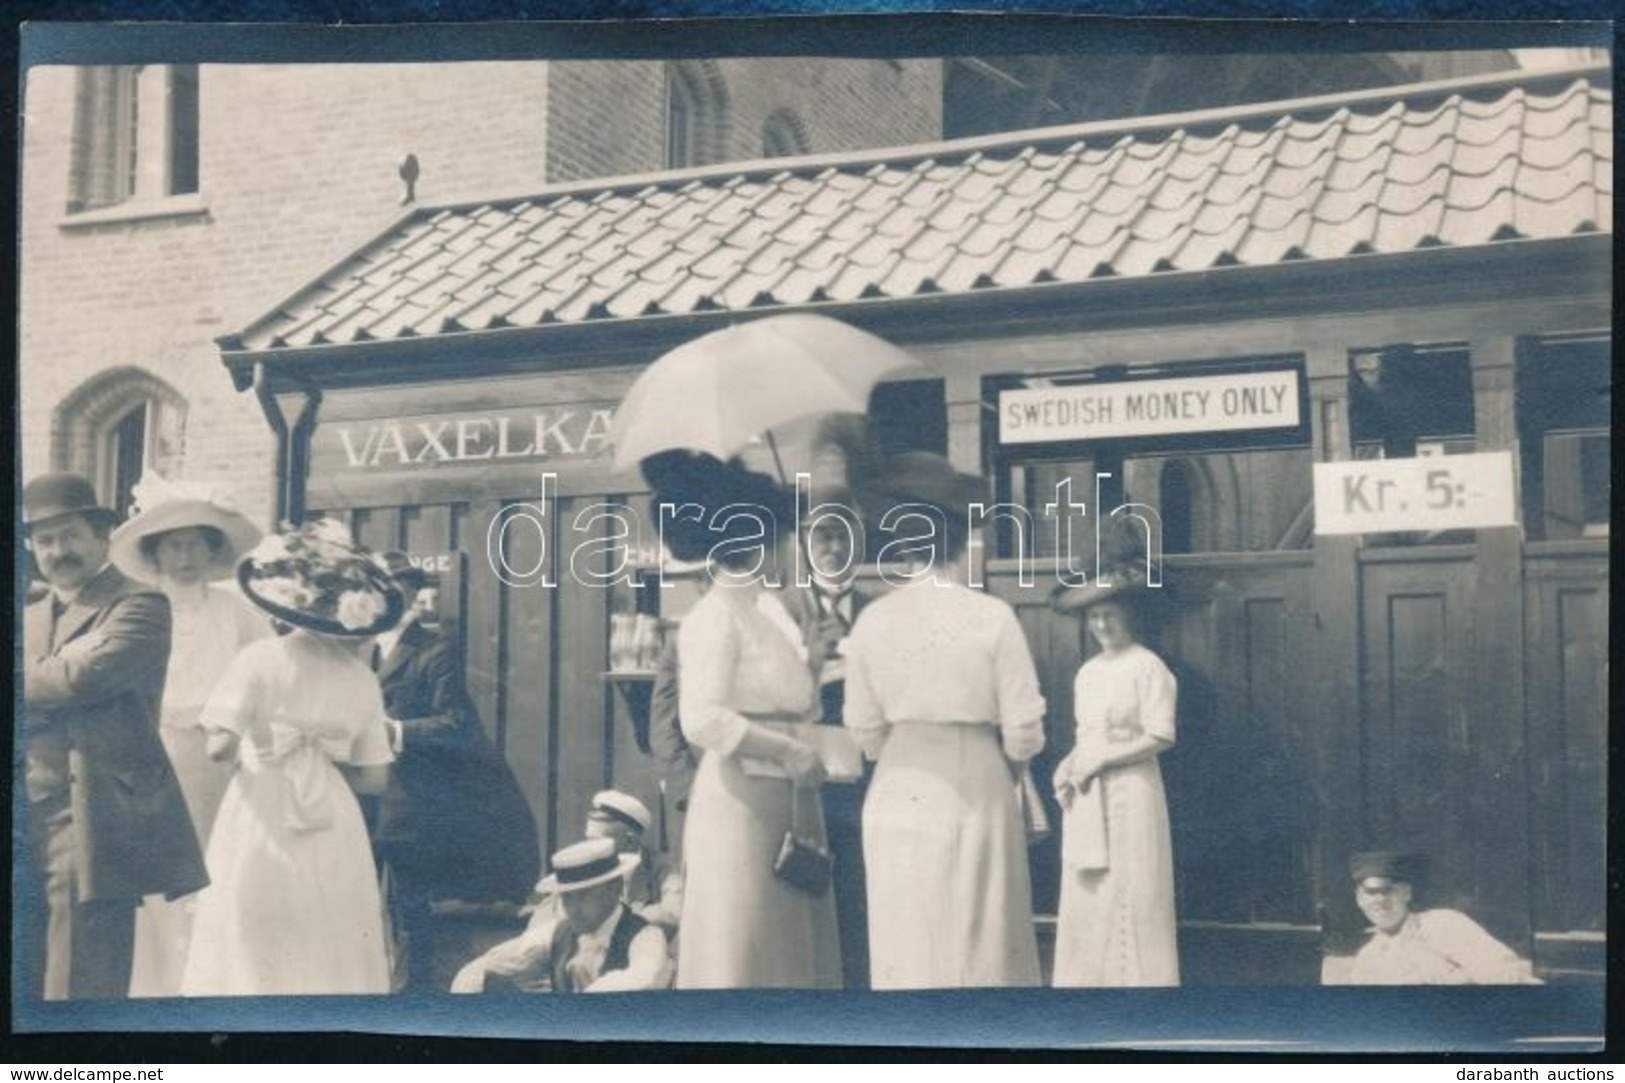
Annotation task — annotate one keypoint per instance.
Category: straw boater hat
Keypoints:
(622, 808)
(314, 577)
(586, 864)
(163, 506)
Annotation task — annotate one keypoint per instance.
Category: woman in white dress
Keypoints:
(743, 674)
(1116, 923)
(293, 904)
(184, 538)
(941, 691)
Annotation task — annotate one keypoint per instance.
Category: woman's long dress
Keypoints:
(940, 690)
(209, 625)
(742, 927)
(293, 906)
(1116, 925)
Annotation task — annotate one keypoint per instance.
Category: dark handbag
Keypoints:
(803, 862)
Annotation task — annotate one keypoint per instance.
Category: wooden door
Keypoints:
(1436, 778)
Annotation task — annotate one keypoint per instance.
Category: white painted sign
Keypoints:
(1233, 402)
(1434, 492)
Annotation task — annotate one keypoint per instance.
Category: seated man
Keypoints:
(652, 890)
(1421, 947)
(599, 945)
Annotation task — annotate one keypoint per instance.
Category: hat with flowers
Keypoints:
(314, 576)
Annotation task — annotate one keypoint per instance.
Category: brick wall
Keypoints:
(608, 119)
(298, 168)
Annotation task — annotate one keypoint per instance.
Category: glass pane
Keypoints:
(128, 453)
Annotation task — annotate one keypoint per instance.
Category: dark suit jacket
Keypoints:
(804, 607)
(674, 761)
(453, 810)
(97, 683)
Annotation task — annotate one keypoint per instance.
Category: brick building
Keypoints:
(163, 204)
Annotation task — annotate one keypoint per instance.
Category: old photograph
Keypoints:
(930, 543)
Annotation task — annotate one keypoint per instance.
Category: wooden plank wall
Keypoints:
(534, 654)
(1566, 615)
(1240, 785)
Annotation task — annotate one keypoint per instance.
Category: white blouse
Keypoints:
(936, 652)
(739, 654)
(209, 625)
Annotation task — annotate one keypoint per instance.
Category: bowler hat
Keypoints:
(51, 496)
(586, 864)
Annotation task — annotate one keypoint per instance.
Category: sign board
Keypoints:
(1230, 402)
(1434, 492)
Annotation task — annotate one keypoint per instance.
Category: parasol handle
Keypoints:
(778, 463)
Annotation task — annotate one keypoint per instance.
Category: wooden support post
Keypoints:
(1494, 686)
(963, 393)
(1333, 697)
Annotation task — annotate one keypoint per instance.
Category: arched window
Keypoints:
(784, 136)
(1175, 507)
(696, 113)
(116, 426)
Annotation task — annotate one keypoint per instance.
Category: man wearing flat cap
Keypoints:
(107, 822)
(1421, 947)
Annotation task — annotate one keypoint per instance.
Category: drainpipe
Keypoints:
(279, 427)
(292, 447)
(299, 453)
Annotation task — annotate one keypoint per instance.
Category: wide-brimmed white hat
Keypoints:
(586, 864)
(163, 506)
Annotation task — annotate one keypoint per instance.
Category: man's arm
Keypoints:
(126, 649)
(447, 701)
(525, 956)
(667, 910)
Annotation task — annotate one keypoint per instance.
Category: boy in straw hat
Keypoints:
(652, 889)
(598, 945)
(184, 539)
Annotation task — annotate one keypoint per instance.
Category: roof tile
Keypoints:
(1382, 177)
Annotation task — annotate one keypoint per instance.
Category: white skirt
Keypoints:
(287, 911)
(742, 927)
(950, 899)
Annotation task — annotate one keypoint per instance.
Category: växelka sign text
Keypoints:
(571, 432)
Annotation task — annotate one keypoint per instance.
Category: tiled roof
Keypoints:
(1427, 166)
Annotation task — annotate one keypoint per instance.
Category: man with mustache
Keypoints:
(106, 820)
